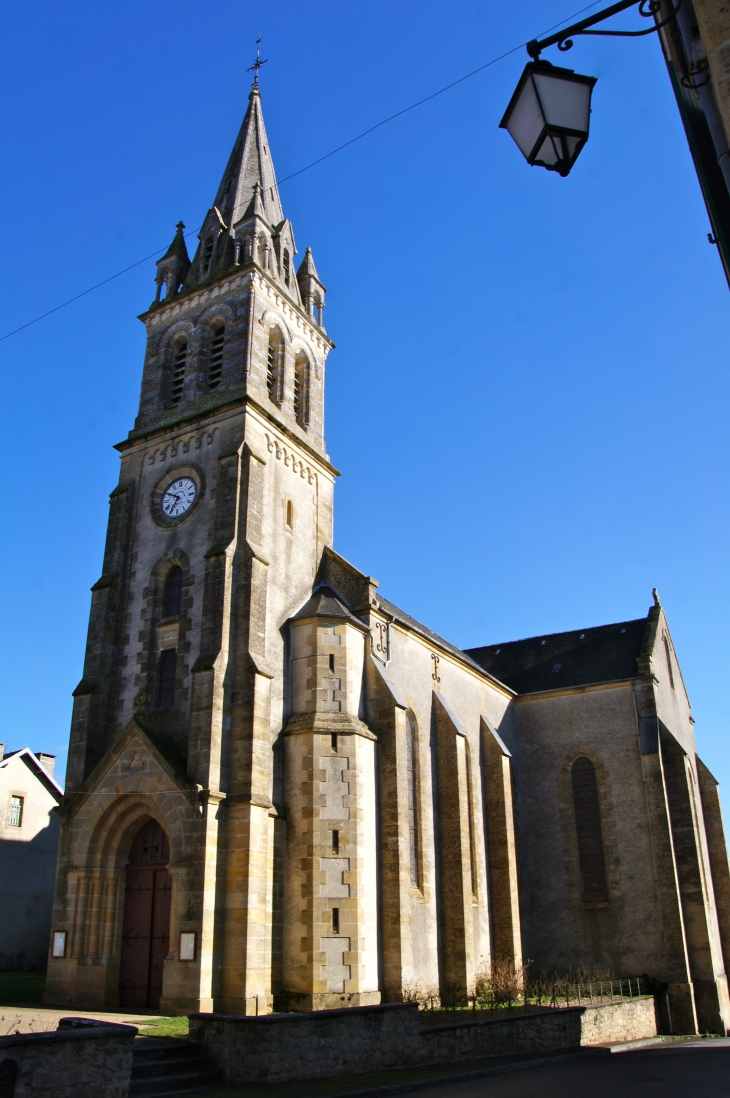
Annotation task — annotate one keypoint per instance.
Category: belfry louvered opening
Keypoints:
(178, 372)
(208, 254)
(301, 390)
(588, 828)
(274, 366)
(216, 358)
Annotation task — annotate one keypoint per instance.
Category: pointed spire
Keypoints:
(255, 207)
(249, 163)
(307, 268)
(310, 287)
(172, 269)
(178, 247)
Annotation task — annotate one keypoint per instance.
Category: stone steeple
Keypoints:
(246, 223)
(249, 163)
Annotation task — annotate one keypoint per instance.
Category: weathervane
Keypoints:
(257, 63)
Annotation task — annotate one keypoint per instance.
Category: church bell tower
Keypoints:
(216, 531)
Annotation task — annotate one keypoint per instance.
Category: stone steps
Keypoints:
(166, 1067)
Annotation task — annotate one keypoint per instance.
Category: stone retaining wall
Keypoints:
(81, 1059)
(326, 1043)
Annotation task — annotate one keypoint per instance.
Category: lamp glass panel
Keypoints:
(572, 143)
(566, 103)
(547, 153)
(526, 122)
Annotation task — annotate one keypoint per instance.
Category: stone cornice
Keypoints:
(203, 296)
(141, 438)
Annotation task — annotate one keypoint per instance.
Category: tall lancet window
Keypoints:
(301, 390)
(287, 267)
(412, 779)
(216, 358)
(172, 598)
(588, 828)
(166, 672)
(273, 366)
(178, 371)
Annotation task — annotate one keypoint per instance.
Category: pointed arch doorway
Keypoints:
(146, 925)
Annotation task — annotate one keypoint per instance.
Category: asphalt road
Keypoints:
(701, 1068)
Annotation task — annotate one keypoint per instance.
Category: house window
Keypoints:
(166, 671)
(208, 254)
(15, 815)
(588, 828)
(412, 795)
(216, 359)
(172, 599)
(178, 372)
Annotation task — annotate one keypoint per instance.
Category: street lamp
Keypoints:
(549, 112)
(548, 115)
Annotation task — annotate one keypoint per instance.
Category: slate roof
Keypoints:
(605, 653)
(324, 603)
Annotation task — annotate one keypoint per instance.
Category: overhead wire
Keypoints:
(308, 167)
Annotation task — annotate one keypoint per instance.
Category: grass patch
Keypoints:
(177, 1026)
(22, 987)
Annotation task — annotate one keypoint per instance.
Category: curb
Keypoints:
(463, 1077)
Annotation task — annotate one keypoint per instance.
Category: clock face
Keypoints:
(179, 497)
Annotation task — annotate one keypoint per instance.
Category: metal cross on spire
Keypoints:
(257, 63)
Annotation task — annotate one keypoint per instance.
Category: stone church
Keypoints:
(285, 793)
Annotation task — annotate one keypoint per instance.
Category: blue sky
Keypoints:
(528, 400)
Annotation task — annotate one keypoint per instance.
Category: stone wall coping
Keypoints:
(305, 1016)
(74, 1029)
(553, 1011)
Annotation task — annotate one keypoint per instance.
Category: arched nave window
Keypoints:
(588, 828)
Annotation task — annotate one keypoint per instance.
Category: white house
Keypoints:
(28, 850)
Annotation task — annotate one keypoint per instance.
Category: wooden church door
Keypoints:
(146, 926)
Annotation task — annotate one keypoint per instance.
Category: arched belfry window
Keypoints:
(172, 598)
(301, 390)
(216, 358)
(166, 673)
(273, 366)
(178, 371)
(412, 779)
(588, 828)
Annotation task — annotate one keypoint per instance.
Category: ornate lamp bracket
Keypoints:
(563, 39)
